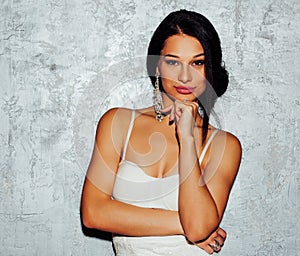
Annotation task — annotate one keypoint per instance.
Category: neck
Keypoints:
(167, 100)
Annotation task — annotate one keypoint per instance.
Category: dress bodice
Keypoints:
(135, 187)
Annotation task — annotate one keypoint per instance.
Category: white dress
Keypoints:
(134, 186)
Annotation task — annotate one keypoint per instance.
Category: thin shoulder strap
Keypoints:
(207, 145)
(128, 134)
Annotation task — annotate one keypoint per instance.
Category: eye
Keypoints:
(172, 62)
(198, 62)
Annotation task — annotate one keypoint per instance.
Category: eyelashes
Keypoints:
(172, 62)
(177, 63)
(198, 62)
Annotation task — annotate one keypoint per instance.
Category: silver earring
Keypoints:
(157, 99)
(201, 111)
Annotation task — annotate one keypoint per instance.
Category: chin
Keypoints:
(188, 97)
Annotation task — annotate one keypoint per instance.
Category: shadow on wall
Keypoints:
(95, 232)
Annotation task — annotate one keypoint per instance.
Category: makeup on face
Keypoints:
(182, 67)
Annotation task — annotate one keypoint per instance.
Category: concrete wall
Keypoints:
(63, 63)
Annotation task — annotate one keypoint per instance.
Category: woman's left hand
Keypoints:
(215, 241)
(184, 114)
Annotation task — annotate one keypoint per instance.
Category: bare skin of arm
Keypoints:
(202, 213)
(99, 210)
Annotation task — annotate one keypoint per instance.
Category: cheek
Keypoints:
(168, 76)
(167, 84)
(200, 81)
(199, 77)
(200, 73)
(168, 73)
(200, 89)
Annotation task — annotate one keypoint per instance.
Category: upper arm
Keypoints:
(101, 173)
(222, 168)
(105, 158)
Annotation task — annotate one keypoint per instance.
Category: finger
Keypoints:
(215, 246)
(172, 114)
(178, 110)
(220, 240)
(221, 232)
(213, 235)
(195, 106)
(208, 249)
(177, 116)
(181, 107)
(190, 105)
(167, 109)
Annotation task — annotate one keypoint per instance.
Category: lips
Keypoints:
(184, 89)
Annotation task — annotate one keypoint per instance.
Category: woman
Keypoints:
(160, 177)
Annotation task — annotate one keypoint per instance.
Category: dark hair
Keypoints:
(195, 25)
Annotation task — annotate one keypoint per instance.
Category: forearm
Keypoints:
(131, 220)
(197, 209)
(114, 216)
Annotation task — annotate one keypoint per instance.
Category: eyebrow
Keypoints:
(175, 56)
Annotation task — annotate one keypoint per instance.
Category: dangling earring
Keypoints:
(201, 111)
(157, 99)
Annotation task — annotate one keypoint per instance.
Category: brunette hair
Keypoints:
(196, 25)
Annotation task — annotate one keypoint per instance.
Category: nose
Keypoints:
(185, 75)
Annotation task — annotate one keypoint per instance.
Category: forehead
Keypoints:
(182, 45)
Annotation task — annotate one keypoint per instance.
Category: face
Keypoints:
(181, 67)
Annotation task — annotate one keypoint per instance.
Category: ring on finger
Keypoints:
(215, 246)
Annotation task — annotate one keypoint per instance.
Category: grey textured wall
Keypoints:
(63, 63)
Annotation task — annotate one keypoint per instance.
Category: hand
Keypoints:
(217, 237)
(184, 114)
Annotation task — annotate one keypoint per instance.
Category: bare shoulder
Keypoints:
(115, 116)
(226, 149)
(114, 122)
(228, 140)
(231, 139)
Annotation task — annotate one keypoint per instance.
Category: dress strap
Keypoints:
(207, 145)
(128, 134)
